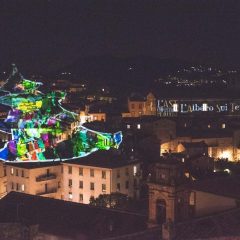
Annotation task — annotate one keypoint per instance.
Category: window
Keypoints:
(126, 171)
(103, 174)
(12, 171)
(80, 197)
(69, 182)
(12, 185)
(5, 172)
(80, 184)
(17, 186)
(48, 172)
(223, 125)
(69, 169)
(132, 105)
(118, 187)
(103, 187)
(139, 126)
(91, 172)
(135, 182)
(127, 184)
(17, 172)
(209, 126)
(22, 173)
(22, 187)
(118, 173)
(140, 106)
(128, 126)
(134, 170)
(70, 196)
(91, 186)
(80, 171)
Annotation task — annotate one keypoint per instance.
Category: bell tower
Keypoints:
(168, 193)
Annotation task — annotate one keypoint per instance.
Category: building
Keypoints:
(29, 217)
(140, 106)
(43, 178)
(100, 173)
(169, 194)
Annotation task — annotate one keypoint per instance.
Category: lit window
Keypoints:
(134, 170)
(80, 171)
(69, 170)
(22, 187)
(104, 174)
(139, 126)
(80, 184)
(128, 126)
(185, 124)
(209, 126)
(70, 196)
(183, 160)
(91, 172)
(103, 187)
(223, 125)
(91, 186)
(69, 182)
(12, 171)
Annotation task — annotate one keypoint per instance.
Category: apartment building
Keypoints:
(99, 173)
(43, 178)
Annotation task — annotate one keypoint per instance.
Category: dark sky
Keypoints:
(45, 35)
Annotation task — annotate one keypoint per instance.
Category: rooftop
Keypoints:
(225, 186)
(68, 219)
(104, 159)
(32, 165)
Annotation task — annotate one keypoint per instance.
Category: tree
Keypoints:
(113, 200)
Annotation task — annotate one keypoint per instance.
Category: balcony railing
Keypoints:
(48, 191)
(46, 177)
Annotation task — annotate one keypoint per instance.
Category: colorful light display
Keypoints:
(41, 127)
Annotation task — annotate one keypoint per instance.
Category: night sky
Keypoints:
(46, 35)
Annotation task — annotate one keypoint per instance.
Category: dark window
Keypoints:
(104, 174)
(80, 184)
(91, 186)
(80, 171)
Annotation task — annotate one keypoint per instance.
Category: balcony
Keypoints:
(45, 177)
(47, 191)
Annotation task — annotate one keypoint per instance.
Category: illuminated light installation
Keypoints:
(37, 121)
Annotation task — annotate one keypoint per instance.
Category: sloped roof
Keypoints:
(224, 186)
(68, 219)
